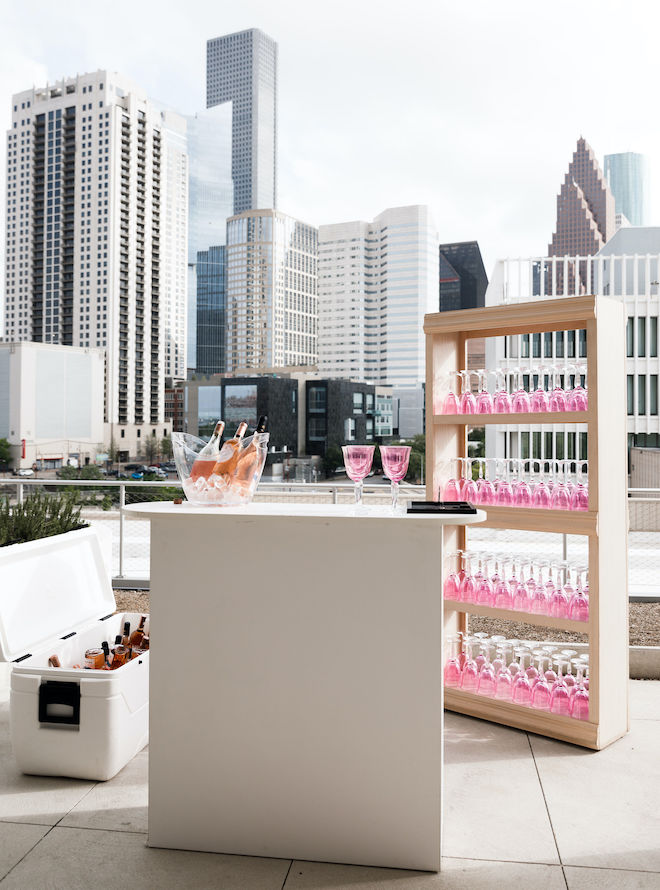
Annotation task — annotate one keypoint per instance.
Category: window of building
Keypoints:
(630, 337)
(653, 394)
(316, 429)
(630, 394)
(641, 394)
(536, 346)
(547, 344)
(583, 343)
(524, 346)
(641, 337)
(358, 402)
(653, 336)
(316, 399)
(349, 429)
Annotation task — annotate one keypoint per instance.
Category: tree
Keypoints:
(113, 452)
(334, 458)
(166, 446)
(5, 452)
(151, 449)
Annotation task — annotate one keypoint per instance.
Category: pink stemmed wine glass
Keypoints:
(522, 493)
(519, 591)
(468, 403)
(577, 399)
(520, 403)
(502, 399)
(485, 489)
(557, 401)
(578, 605)
(395, 466)
(560, 498)
(503, 595)
(559, 597)
(452, 582)
(539, 400)
(450, 402)
(580, 495)
(467, 592)
(580, 698)
(541, 693)
(451, 491)
(358, 460)
(469, 490)
(504, 490)
(452, 673)
(540, 494)
(484, 398)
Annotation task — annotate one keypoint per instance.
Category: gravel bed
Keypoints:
(644, 622)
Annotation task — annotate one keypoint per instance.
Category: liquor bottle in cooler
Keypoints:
(54, 662)
(137, 636)
(94, 659)
(106, 652)
(205, 460)
(127, 633)
(119, 654)
(231, 450)
(249, 458)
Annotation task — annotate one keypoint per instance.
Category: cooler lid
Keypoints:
(49, 588)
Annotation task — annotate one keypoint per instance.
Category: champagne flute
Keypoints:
(358, 460)
(395, 466)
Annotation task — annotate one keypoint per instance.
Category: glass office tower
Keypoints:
(241, 68)
(627, 175)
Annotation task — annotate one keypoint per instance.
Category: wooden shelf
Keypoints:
(573, 522)
(536, 418)
(605, 524)
(555, 726)
(525, 617)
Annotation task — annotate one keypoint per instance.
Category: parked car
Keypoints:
(157, 471)
(169, 466)
(25, 471)
(136, 475)
(135, 468)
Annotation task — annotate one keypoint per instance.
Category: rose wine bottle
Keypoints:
(231, 450)
(137, 636)
(127, 633)
(248, 461)
(205, 460)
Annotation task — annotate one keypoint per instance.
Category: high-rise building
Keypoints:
(376, 282)
(241, 68)
(627, 177)
(211, 326)
(585, 207)
(211, 203)
(96, 236)
(463, 279)
(271, 295)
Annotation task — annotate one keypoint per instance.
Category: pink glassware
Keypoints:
(451, 491)
(485, 489)
(561, 699)
(541, 693)
(558, 600)
(468, 403)
(484, 398)
(450, 402)
(560, 498)
(358, 460)
(502, 399)
(539, 400)
(504, 489)
(486, 684)
(557, 400)
(577, 399)
(468, 588)
(520, 402)
(469, 491)
(502, 596)
(452, 672)
(522, 492)
(522, 688)
(452, 584)
(540, 493)
(395, 466)
(484, 589)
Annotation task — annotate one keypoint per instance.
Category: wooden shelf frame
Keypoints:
(605, 524)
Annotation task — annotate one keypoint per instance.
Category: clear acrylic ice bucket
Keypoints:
(236, 485)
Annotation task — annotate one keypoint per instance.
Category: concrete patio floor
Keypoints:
(520, 811)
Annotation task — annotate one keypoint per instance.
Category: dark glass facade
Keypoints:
(463, 279)
(211, 310)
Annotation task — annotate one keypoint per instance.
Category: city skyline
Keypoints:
(351, 141)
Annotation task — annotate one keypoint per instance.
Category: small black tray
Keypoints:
(464, 507)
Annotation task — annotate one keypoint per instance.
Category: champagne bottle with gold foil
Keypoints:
(207, 457)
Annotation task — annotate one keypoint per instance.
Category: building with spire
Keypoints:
(585, 207)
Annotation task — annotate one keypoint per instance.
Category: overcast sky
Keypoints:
(473, 108)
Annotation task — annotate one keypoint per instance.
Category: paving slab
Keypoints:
(493, 799)
(610, 879)
(120, 804)
(603, 804)
(456, 874)
(645, 699)
(77, 858)
(16, 841)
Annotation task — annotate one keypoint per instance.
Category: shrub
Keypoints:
(39, 516)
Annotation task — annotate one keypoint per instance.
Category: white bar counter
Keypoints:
(296, 705)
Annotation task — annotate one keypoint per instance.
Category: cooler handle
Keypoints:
(67, 695)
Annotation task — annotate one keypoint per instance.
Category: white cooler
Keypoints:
(56, 599)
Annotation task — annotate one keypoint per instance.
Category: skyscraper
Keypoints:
(585, 207)
(96, 235)
(271, 297)
(241, 68)
(463, 279)
(211, 203)
(626, 175)
(377, 280)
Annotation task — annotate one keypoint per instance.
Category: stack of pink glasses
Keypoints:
(509, 482)
(554, 589)
(534, 675)
(536, 390)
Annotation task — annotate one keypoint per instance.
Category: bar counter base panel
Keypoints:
(296, 701)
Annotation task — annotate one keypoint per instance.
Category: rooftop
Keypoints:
(520, 810)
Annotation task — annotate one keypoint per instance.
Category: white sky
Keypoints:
(473, 108)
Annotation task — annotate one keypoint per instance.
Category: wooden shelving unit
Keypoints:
(605, 524)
